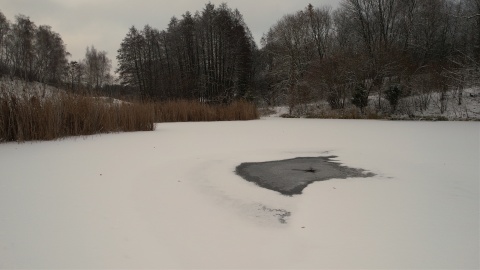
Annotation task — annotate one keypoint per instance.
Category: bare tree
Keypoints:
(21, 46)
(377, 23)
(98, 67)
(50, 55)
(206, 56)
(321, 26)
(472, 14)
(4, 30)
(293, 43)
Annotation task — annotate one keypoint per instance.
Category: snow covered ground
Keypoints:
(24, 89)
(469, 108)
(19, 88)
(426, 106)
(170, 198)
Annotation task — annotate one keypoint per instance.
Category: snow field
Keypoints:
(170, 198)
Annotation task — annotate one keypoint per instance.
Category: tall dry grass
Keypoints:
(30, 117)
(33, 117)
(192, 111)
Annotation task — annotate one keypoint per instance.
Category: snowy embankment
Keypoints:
(27, 89)
(170, 198)
(455, 106)
(23, 89)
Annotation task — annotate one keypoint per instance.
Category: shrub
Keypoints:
(335, 100)
(393, 94)
(360, 97)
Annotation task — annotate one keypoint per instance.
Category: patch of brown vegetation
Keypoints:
(33, 117)
(192, 111)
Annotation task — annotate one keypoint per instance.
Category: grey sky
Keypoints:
(104, 23)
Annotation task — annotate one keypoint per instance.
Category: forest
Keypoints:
(207, 56)
(37, 53)
(388, 49)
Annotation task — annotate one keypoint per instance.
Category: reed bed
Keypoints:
(33, 117)
(193, 111)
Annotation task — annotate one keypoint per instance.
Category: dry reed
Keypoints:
(192, 111)
(31, 117)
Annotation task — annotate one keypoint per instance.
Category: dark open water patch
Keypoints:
(291, 176)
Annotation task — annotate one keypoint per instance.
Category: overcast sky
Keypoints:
(104, 23)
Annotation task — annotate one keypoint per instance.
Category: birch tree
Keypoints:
(97, 66)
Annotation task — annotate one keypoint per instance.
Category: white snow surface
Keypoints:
(171, 199)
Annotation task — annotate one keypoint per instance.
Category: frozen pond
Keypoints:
(171, 199)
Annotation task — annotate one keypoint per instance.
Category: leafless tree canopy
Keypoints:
(206, 56)
(31, 52)
(37, 53)
(320, 53)
(311, 54)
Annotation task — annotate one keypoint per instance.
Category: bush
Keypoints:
(360, 97)
(335, 100)
(393, 94)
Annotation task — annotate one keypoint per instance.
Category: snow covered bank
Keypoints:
(430, 106)
(171, 199)
(28, 89)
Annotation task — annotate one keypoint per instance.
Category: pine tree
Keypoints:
(360, 97)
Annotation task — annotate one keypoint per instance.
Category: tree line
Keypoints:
(387, 48)
(207, 56)
(37, 53)
(31, 52)
(369, 47)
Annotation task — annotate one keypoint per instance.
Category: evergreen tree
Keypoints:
(360, 97)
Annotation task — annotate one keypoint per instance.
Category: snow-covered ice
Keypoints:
(170, 198)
